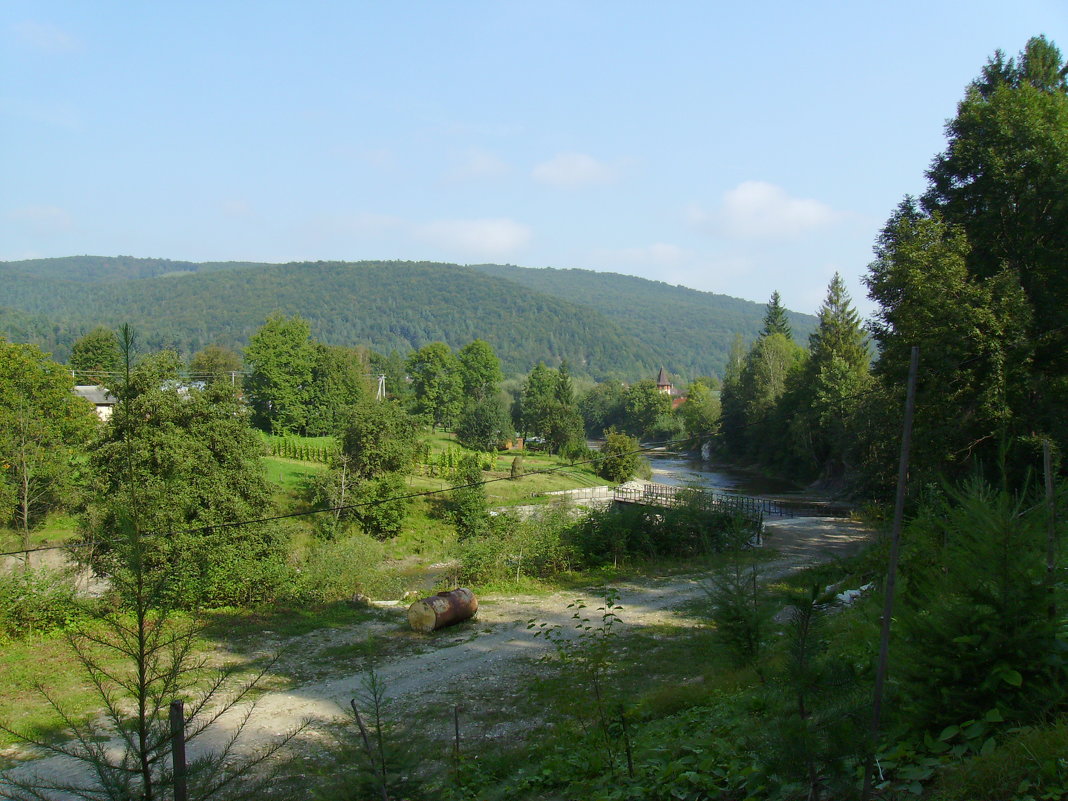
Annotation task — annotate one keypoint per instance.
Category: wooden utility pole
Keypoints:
(177, 719)
(891, 571)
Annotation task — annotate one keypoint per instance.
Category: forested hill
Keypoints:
(575, 314)
(697, 328)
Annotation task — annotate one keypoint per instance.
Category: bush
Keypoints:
(36, 601)
(466, 503)
(343, 568)
(620, 457)
(535, 548)
(975, 632)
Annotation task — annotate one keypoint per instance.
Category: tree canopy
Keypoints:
(42, 427)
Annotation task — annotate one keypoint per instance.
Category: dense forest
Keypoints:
(602, 324)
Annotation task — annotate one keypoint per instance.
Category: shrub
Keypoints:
(534, 548)
(343, 568)
(36, 601)
(976, 634)
(620, 457)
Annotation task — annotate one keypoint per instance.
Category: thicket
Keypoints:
(37, 601)
(560, 539)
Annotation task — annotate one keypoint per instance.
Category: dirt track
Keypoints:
(484, 652)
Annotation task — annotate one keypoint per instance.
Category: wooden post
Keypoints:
(456, 735)
(177, 719)
(891, 571)
(1051, 530)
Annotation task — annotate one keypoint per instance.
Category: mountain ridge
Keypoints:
(604, 324)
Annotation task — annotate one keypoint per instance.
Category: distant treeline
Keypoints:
(603, 325)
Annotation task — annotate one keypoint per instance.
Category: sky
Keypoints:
(737, 148)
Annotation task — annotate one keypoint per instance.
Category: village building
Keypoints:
(663, 384)
(102, 400)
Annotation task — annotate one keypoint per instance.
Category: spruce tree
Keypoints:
(775, 321)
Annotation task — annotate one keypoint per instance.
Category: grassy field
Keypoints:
(426, 538)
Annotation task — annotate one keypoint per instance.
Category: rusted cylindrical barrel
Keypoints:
(442, 610)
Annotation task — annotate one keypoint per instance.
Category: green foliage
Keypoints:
(216, 363)
(188, 461)
(976, 633)
(43, 426)
(602, 407)
(138, 659)
(516, 469)
(304, 449)
(437, 383)
(700, 412)
(585, 655)
(820, 411)
(547, 407)
(634, 531)
(485, 424)
(378, 438)
(339, 380)
(279, 359)
(380, 505)
(1026, 765)
(741, 612)
(466, 504)
(375, 757)
(535, 547)
(35, 601)
(342, 569)
(817, 736)
(753, 417)
(976, 278)
(620, 457)
(971, 337)
(96, 356)
(690, 331)
(775, 321)
(586, 317)
(644, 408)
(480, 370)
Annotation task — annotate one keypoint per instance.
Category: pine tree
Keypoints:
(775, 321)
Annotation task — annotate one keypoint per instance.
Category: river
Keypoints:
(682, 471)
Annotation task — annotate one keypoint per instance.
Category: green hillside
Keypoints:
(693, 330)
(604, 324)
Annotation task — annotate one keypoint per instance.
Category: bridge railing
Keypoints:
(671, 496)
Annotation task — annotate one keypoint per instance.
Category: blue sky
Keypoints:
(734, 148)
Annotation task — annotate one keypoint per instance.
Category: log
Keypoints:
(442, 610)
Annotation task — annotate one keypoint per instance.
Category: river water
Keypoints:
(683, 471)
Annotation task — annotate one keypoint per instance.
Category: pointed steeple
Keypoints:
(663, 383)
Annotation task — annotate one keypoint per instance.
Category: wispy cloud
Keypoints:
(486, 238)
(758, 210)
(42, 219)
(657, 254)
(44, 37)
(573, 170)
(478, 165)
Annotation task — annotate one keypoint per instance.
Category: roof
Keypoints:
(96, 395)
(662, 379)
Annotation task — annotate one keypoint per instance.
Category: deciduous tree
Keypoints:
(188, 461)
(436, 383)
(480, 370)
(42, 426)
(280, 360)
(216, 363)
(95, 358)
